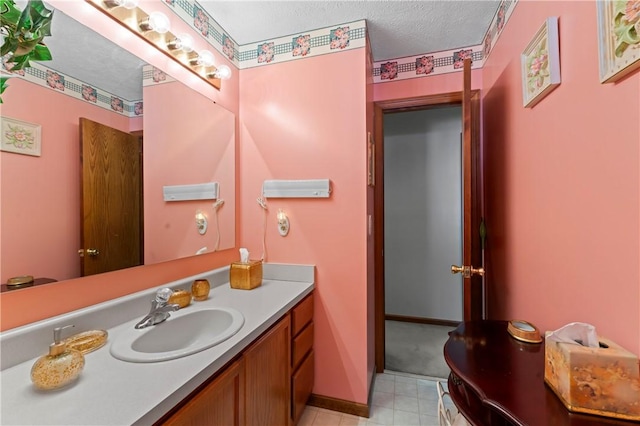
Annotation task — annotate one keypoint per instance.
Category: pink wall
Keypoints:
(371, 264)
(41, 195)
(297, 122)
(24, 306)
(433, 85)
(195, 145)
(562, 184)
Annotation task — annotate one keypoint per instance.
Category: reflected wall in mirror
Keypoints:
(40, 196)
(195, 144)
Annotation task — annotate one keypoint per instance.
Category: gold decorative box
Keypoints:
(604, 381)
(246, 275)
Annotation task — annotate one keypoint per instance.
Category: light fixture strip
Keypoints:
(131, 18)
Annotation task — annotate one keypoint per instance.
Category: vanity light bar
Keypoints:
(311, 188)
(165, 42)
(200, 191)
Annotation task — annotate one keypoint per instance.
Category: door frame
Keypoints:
(381, 108)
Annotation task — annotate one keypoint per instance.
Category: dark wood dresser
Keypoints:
(497, 380)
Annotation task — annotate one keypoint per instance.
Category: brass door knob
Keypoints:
(478, 271)
(93, 252)
(467, 271)
(456, 269)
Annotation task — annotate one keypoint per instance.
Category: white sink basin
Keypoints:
(184, 333)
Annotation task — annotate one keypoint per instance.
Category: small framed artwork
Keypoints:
(618, 39)
(371, 160)
(20, 137)
(541, 64)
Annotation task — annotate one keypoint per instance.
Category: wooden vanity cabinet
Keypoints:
(267, 377)
(302, 365)
(268, 384)
(221, 402)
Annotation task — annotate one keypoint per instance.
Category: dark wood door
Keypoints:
(111, 207)
(471, 248)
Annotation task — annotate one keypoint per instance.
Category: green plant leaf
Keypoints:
(24, 21)
(26, 29)
(3, 85)
(10, 45)
(45, 28)
(20, 62)
(40, 16)
(41, 53)
(9, 14)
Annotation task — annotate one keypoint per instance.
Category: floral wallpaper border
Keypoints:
(201, 22)
(429, 64)
(152, 76)
(52, 79)
(322, 41)
(295, 46)
(335, 39)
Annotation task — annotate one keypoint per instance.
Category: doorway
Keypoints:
(423, 235)
(470, 119)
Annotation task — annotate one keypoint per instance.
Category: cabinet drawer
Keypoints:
(302, 314)
(302, 344)
(301, 387)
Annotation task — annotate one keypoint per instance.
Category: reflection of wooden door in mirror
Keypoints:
(111, 187)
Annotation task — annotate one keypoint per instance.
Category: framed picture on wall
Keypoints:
(541, 64)
(20, 137)
(618, 39)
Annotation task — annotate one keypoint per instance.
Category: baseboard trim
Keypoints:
(421, 320)
(341, 405)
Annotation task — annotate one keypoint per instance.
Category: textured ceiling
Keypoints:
(396, 29)
(83, 54)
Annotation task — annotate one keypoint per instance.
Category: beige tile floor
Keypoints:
(398, 400)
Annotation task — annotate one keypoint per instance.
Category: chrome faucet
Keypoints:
(160, 309)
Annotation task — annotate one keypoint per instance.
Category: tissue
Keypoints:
(577, 333)
(244, 255)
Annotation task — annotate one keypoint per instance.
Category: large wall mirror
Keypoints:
(186, 139)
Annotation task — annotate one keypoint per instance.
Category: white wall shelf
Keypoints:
(200, 191)
(310, 188)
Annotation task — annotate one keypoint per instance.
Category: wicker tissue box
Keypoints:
(246, 275)
(604, 381)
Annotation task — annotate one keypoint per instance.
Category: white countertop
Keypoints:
(114, 392)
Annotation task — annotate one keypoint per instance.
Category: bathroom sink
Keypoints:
(184, 333)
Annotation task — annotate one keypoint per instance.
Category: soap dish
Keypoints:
(87, 341)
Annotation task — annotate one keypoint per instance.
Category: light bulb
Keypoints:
(156, 21)
(159, 22)
(128, 4)
(206, 58)
(185, 42)
(223, 72)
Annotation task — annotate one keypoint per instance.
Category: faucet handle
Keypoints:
(163, 295)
